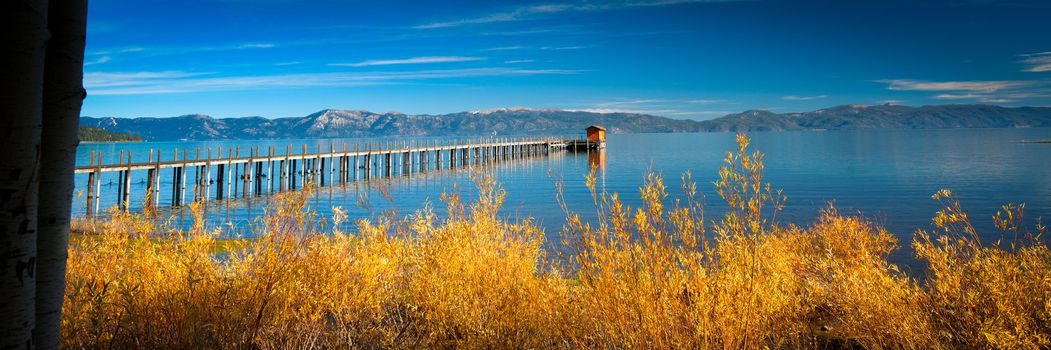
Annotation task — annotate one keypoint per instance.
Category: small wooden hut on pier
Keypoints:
(596, 139)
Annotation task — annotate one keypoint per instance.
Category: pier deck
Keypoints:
(218, 176)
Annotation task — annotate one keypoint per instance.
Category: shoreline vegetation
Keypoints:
(662, 275)
(89, 134)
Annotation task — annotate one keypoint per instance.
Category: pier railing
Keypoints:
(218, 176)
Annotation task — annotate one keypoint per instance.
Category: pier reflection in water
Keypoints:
(398, 195)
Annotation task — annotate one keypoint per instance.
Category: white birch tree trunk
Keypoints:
(63, 96)
(24, 27)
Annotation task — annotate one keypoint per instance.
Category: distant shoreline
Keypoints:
(335, 123)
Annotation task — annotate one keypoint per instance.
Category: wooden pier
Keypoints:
(584, 145)
(216, 175)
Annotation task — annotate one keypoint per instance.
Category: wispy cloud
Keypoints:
(99, 60)
(706, 101)
(135, 83)
(630, 102)
(519, 61)
(414, 60)
(117, 51)
(958, 96)
(972, 86)
(547, 30)
(539, 11)
(1034, 93)
(1037, 62)
(976, 97)
(505, 48)
(652, 106)
(254, 46)
(986, 91)
(178, 50)
(573, 47)
(803, 98)
(516, 14)
(94, 80)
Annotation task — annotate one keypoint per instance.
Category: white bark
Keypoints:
(63, 96)
(24, 24)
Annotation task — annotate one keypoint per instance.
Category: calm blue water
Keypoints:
(888, 175)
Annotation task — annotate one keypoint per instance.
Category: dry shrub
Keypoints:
(656, 276)
(653, 279)
(987, 296)
(471, 280)
(477, 281)
(127, 288)
(859, 297)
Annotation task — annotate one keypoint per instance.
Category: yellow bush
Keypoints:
(987, 296)
(656, 276)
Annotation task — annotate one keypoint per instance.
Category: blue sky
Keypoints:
(676, 58)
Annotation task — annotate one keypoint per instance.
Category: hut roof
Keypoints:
(599, 127)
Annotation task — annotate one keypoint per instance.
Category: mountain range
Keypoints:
(333, 123)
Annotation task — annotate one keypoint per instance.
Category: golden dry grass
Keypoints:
(657, 276)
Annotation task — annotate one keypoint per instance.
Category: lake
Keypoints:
(887, 175)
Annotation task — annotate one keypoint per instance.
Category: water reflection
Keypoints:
(888, 175)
